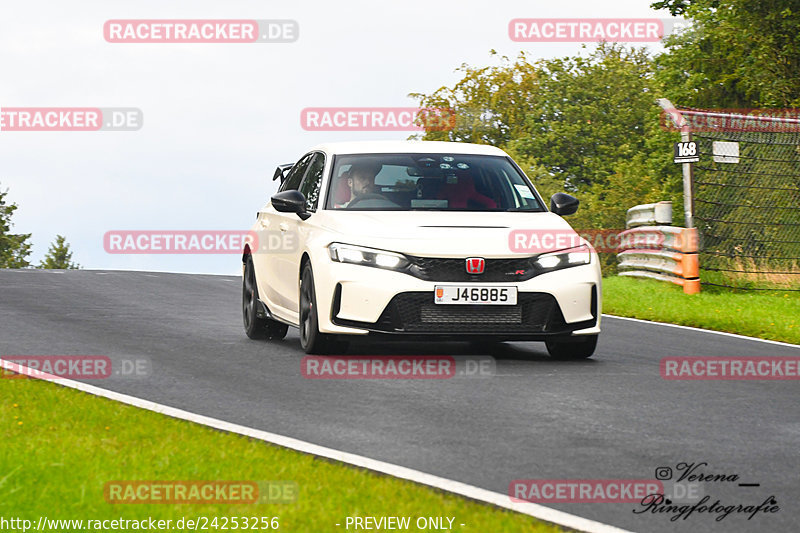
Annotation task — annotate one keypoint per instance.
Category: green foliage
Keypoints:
(574, 116)
(61, 447)
(491, 104)
(14, 248)
(764, 314)
(59, 256)
(738, 54)
(591, 113)
(675, 7)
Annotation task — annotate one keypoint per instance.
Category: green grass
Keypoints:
(771, 315)
(60, 447)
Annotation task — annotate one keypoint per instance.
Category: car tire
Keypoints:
(571, 348)
(254, 326)
(311, 340)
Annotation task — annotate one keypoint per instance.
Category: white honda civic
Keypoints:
(414, 239)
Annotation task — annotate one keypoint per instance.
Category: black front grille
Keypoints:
(495, 270)
(415, 312)
(451, 314)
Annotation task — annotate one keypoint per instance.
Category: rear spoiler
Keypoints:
(281, 171)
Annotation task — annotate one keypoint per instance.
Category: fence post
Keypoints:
(688, 173)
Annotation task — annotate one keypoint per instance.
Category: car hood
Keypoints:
(440, 234)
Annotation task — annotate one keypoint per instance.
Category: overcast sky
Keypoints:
(218, 118)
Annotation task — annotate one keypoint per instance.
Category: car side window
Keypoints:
(295, 176)
(311, 185)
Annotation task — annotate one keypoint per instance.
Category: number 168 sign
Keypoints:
(686, 152)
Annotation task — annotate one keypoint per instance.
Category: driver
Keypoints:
(361, 180)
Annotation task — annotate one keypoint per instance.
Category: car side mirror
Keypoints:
(291, 202)
(563, 204)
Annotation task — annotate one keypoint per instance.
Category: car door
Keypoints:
(272, 267)
(296, 230)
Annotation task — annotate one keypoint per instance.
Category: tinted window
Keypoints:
(440, 182)
(310, 186)
(295, 176)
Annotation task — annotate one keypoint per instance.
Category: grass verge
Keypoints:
(61, 446)
(767, 315)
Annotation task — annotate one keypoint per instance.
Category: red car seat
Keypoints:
(459, 194)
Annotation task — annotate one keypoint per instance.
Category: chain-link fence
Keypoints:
(747, 199)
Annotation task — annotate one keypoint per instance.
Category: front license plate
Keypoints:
(474, 294)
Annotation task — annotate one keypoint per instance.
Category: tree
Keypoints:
(675, 7)
(576, 116)
(592, 113)
(14, 248)
(738, 54)
(490, 103)
(59, 255)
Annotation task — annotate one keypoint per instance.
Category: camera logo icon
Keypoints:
(663, 473)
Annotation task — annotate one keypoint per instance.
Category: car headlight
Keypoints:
(580, 255)
(359, 255)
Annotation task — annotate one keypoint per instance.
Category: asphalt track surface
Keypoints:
(610, 417)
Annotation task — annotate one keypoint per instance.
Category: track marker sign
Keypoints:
(725, 151)
(686, 152)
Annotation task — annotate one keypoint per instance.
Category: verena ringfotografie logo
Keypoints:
(693, 477)
(536, 241)
(70, 119)
(201, 31)
(377, 119)
(769, 368)
(200, 492)
(585, 30)
(53, 367)
(583, 490)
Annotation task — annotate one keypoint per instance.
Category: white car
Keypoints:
(411, 238)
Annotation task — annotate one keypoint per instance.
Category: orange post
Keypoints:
(691, 286)
(691, 263)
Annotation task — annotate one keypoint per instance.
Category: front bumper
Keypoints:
(358, 300)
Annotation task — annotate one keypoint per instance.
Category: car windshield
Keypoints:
(437, 182)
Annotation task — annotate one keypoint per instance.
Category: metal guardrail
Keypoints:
(649, 214)
(660, 237)
(659, 252)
